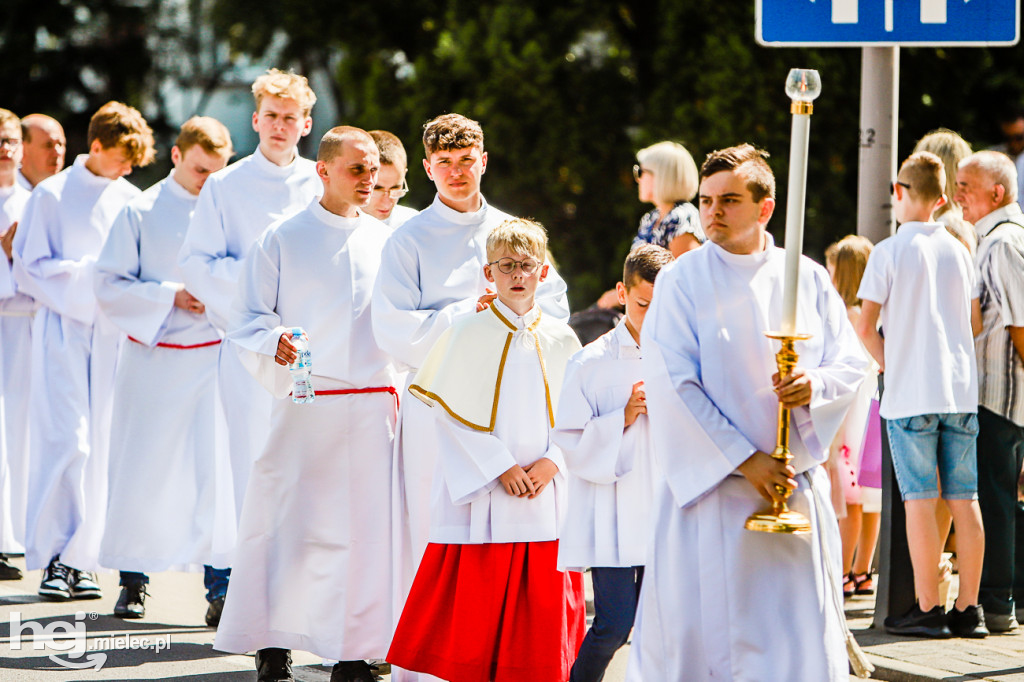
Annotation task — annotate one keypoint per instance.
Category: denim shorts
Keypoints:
(928, 442)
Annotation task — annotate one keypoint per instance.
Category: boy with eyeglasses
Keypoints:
(921, 283)
(392, 184)
(431, 276)
(16, 310)
(74, 350)
(488, 580)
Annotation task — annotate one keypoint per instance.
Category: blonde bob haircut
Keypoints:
(287, 85)
(675, 173)
(118, 125)
(848, 258)
(519, 236)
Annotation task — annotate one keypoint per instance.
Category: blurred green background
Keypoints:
(566, 91)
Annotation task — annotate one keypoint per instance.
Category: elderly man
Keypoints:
(986, 187)
(43, 149)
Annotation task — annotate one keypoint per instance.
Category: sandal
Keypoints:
(863, 583)
(849, 585)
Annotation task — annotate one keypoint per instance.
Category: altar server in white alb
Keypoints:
(431, 276)
(234, 208)
(16, 310)
(167, 424)
(720, 602)
(312, 569)
(392, 184)
(602, 430)
(74, 349)
(488, 601)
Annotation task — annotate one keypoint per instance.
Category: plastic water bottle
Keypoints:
(302, 368)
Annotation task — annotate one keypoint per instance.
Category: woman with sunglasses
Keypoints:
(666, 176)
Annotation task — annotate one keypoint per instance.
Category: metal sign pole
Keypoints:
(879, 106)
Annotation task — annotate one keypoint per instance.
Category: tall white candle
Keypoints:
(803, 86)
(795, 217)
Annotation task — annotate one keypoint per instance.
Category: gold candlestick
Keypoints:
(779, 518)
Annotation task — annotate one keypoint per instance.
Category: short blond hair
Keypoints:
(7, 116)
(518, 235)
(206, 132)
(116, 124)
(952, 149)
(451, 131)
(287, 85)
(392, 152)
(848, 258)
(926, 175)
(675, 173)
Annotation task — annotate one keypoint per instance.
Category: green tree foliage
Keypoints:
(66, 58)
(566, 91)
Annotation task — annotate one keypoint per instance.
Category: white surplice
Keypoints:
(432, 275)
(610, 468)
(719, 601)
(74, 355)
(170, 498)
(16, 311)
(313, 563)
(235, 206)
(491, 407)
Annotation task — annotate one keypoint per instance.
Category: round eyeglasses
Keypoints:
(508, 265)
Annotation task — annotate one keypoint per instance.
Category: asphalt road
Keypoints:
(171, 643)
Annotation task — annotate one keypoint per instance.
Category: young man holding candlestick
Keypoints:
(714, 593)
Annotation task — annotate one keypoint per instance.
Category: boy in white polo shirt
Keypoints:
(922, 283)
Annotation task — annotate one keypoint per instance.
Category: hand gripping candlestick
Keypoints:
(802, 86)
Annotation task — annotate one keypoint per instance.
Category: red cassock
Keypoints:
(499, 611)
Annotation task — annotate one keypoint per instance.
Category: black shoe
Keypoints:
(131, 603)
(56, 583)
(354, 671)
(273, 665)
(213, 612)
(917, 622)
(85, 585)
(8, 571)
(967, 623)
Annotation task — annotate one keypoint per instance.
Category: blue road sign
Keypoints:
(850, 23)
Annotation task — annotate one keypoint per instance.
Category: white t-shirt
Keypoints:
(924, 280)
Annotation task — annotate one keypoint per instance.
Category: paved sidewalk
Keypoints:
(911, 659)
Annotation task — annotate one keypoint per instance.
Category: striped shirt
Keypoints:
(1001, 291)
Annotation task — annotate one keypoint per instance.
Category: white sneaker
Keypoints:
(56, 581)
(84, 585)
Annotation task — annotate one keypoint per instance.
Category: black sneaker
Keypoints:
(274, 665)
(917, 622)
(213, 612)
(354, 671)
(8, 571)
(131, 603)
(967, 623)
(85, 585)
(56, 583)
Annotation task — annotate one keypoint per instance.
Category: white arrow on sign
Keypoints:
(848, 12)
